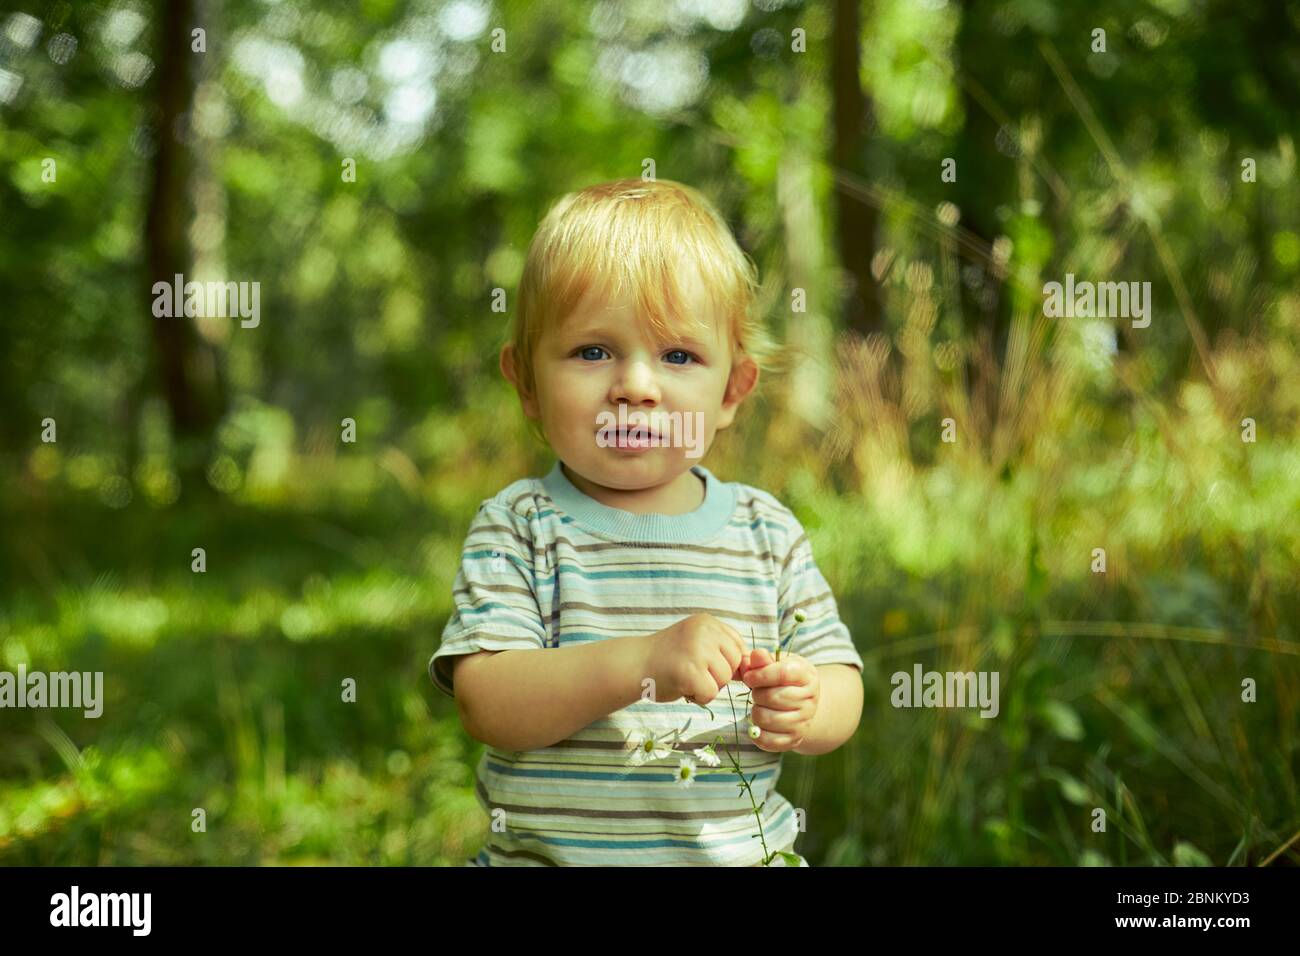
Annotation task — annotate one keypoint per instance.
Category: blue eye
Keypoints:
(590, 348)
(680, 352)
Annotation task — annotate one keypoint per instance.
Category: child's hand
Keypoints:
(785, 697)
(694, 658)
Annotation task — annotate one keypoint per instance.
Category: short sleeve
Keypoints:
(822, 638)
(494, 594)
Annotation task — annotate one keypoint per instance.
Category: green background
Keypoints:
(1120, 691)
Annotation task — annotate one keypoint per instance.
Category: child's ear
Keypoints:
(509, 370)
(743, 378)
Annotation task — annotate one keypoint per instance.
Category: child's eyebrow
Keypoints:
(692, 342)
(597, 332)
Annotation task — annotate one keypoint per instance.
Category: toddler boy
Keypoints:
(657, 594)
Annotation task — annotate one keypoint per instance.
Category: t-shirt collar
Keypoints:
(693, 526)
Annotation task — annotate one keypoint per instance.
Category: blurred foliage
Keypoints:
(328, 560)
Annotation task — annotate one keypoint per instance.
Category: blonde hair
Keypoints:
(636, 235)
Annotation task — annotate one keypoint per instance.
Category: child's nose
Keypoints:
(635, 383)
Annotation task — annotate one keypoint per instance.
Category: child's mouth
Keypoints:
(631, 437)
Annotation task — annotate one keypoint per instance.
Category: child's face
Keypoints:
(602, 357)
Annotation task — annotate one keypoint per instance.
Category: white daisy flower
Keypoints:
(685, 772)
(646, 747)
(707, 756)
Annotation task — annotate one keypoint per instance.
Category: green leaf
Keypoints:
(1062, 719)
(1185, 854)
(1071, 788)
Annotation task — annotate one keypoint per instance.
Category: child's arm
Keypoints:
(838, 711)
(524, 700)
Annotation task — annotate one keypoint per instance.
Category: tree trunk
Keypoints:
(183, 368)
(856, 220)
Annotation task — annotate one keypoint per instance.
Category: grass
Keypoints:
(1122, 692)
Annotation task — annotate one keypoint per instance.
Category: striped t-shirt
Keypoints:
(545, 566)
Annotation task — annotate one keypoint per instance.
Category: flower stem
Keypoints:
(745, 783)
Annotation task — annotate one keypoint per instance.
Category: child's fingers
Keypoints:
(776, 721)
(751, 660)
(776, 743)
(770, 675)
(781, 697)
(794, 672)
(742, 667)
